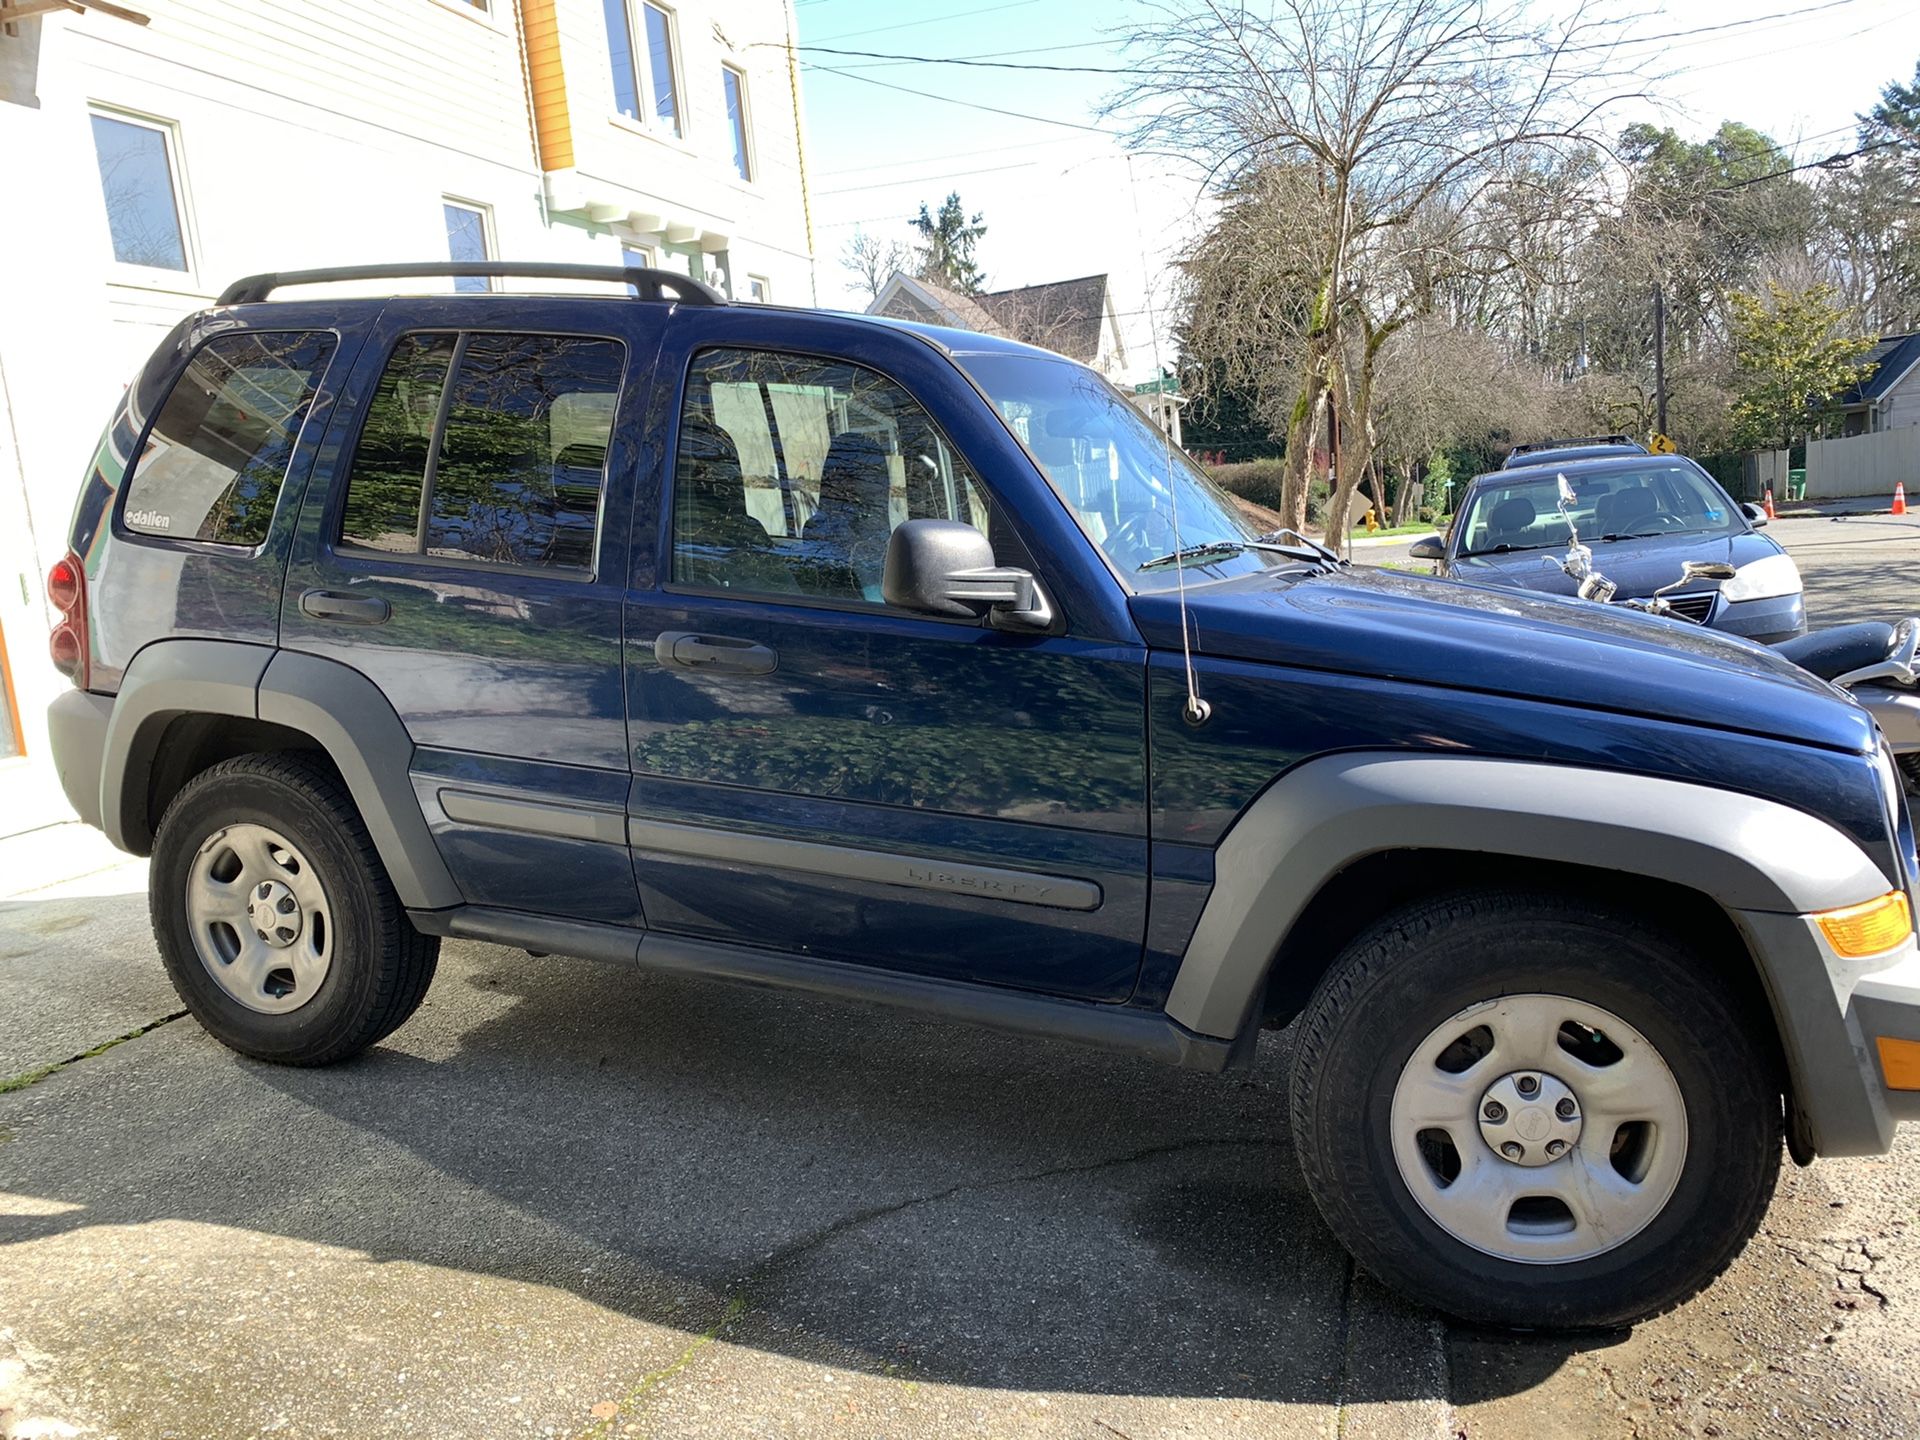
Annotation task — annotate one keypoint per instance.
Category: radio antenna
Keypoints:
(1196, 710)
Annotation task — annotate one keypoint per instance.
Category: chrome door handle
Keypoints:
(685, 650)
(356, 609)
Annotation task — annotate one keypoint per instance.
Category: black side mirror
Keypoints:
(1428, 547)
(1756, 515)
(946, 567)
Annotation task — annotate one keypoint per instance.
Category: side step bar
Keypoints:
(1151, 1033)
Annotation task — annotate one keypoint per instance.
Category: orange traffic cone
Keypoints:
(1766, 504)
(1899, 497)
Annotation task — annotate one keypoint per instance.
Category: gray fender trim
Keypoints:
(167, 679)
(339, 707)
(347, 714)
(1747, 853)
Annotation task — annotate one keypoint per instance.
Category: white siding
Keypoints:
(1900, 406)
(319, 134)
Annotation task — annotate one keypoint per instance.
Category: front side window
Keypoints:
(733, 85)
(791, 473)
(1134, 492)
(217, 452)
(488, 447)
(640, 49)
(137, 177)
(467, 240)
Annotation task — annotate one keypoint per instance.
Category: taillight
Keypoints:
(67, 589)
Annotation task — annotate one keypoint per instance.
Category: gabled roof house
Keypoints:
(1074, 317)
(1889, 398)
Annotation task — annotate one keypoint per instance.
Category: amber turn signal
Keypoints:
(1900, 1063)
(1872, 928)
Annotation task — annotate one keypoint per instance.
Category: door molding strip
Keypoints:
(884, 867)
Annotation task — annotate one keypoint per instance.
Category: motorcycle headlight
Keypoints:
(1766, 579)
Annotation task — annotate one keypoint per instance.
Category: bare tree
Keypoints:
(1402, 115)
(874, 261)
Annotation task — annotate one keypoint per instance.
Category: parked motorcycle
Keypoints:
(1872, 661)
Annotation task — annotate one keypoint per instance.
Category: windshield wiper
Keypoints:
(1648, 534)
(1506, 548)
(1220, 548)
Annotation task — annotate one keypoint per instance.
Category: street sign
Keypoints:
(1661, 444)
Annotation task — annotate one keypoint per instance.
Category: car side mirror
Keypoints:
(1428, 547)
(1756, 514)
(946, 567)
(1707, 570)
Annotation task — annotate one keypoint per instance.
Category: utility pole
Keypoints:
(1659, 360)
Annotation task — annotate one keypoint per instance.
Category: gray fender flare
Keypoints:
(1747, 853)
(341, 709)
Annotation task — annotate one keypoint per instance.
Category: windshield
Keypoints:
(1662, 498)
(1117, 473)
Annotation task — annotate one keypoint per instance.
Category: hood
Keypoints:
(1414, 628)
(1638, 566)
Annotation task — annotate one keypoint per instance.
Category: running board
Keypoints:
(1152, 1033)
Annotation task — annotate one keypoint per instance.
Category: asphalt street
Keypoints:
(573, 1200)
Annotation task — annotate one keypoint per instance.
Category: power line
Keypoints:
(934, 19)
(969, 104)
(962, 60)
(981, 55)
(923, 179)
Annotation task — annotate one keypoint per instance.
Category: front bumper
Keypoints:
(1831, 1013)
(1767, 622)
(77, 734)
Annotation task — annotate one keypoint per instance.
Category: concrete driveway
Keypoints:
(573, 1200)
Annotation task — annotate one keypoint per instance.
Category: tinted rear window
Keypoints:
(217, 452)
(489, 447)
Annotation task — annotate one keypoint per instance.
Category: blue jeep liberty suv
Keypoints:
(914, 665)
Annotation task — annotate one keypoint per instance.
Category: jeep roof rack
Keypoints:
(650, 283)
(1536, 445)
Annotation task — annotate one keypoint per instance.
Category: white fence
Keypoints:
(1862, 464)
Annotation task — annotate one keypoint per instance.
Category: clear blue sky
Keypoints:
(1057, 198)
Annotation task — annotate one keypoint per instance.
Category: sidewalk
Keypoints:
(1814, 509)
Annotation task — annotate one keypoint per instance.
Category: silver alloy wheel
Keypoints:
(259, 918)
(1539, 1128)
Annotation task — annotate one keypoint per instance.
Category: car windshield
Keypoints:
(1661, 498)
(1117, 472)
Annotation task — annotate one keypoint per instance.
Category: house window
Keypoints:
(638, 255)
(734, 84)
(139, 176)
(758, 290)
(467, 239)
(645, 87)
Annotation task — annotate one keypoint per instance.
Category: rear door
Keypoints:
(817, 771)
(465, 545)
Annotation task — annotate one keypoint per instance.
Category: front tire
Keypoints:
(1528, 1110)
(275, 918)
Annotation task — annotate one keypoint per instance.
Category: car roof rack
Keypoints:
(1533, 446)
(651, 284)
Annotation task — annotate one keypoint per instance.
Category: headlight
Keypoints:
(1766, 579)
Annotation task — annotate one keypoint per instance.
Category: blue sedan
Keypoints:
(1644, 516)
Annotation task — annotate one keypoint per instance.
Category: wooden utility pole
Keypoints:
(1659, 360)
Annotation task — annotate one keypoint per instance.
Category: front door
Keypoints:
(817, 771)
(465, 544)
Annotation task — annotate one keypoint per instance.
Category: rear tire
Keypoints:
(275, 918)
(1528, 1110)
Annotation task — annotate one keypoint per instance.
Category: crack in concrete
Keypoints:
(27, 1078)
(740, 1299)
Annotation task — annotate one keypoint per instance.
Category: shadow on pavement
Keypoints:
(829, 1182)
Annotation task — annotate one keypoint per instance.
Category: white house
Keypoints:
(1074, 317)
(151, 155)
(1889, 398)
